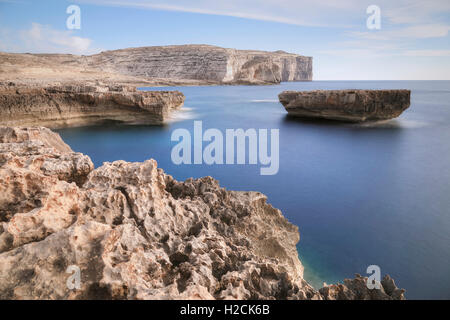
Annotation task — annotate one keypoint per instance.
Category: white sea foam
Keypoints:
(183, 114)
(394, 123)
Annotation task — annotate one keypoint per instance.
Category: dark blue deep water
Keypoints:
(360, 194)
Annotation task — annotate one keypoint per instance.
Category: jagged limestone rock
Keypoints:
(134, 232)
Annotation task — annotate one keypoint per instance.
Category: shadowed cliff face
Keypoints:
(136, 233)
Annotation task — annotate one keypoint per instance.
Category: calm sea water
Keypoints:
(360, 194)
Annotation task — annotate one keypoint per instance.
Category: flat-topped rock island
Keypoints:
(346, 105)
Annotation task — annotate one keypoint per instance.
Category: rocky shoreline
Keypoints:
(131, 230)
(134, 232)
(80, 104)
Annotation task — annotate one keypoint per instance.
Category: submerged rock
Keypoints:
(134, 232)
(84, 104)
(346, 105)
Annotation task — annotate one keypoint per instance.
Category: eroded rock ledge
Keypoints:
(346, 105)
(84, 104)
(136, 233)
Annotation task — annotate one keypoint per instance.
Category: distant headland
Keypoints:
(159, 65)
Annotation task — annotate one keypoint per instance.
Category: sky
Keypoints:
(411, 43)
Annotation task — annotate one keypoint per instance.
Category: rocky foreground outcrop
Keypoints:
(84, 104)
(346, 105)
(134, 232)
(161, 65)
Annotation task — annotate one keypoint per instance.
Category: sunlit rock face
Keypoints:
(209, 63)
(134, 232)
(161, 65)
(346, 105)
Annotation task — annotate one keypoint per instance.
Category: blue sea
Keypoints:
(361, 194)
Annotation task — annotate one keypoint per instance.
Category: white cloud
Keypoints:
(342, 13)
(44, 39)
(374, 52)
(413, 32)
(416, 11)
(354, 53)
(296, 12)
(404, 32)
(427, 53)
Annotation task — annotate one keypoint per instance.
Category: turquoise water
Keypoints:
(360, 194)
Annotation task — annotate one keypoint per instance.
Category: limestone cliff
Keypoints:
(203, 62)
(163, 65)
(82, 104)
(134, 232)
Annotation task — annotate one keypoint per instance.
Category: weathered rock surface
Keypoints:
(346, 105)
(163, 65)
(136, 233)
(356, 289)
(203, 62)
(81, 104)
